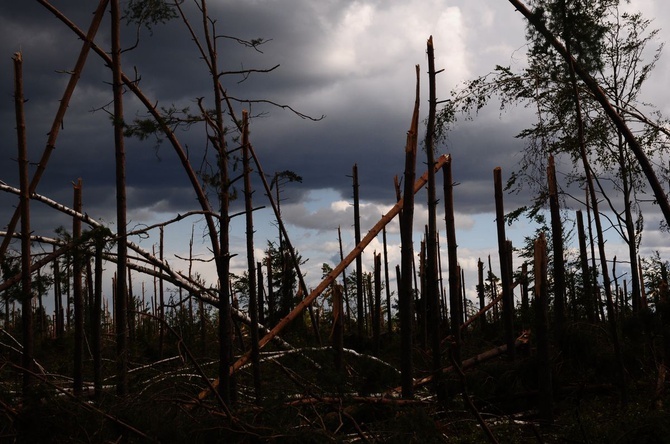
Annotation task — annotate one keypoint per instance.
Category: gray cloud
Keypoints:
(351, 61)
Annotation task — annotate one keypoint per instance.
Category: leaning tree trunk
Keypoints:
(330, 278)
(659, 193)
(57, 123)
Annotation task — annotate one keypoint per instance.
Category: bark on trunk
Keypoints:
(505, 278)
(78, 296)
(26, 280)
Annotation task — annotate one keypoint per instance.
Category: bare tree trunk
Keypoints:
(461, 284)
(422, 316)
(407, 251)
(96, 327)
(545, 390)
(360, 314)
(377, 308)
(78, 296)
(121, 302)
(132, 309)
(643, 293)
(594, 269)
(432, 287)
(588, 295)
(253, 304)
(611, 317)
(480, 292)
(330, 278)
(557, 241)
(524, 291)
(345, 287)
(259, 283)
(272, 311)
(161, 296)
(226, 388)
(659, 193)
(456, 315)
(338, 328)
(505, 278)
(26, 279)
(60, 114)
(389, 317)
(58, 300)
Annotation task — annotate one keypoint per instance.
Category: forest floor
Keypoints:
(303, 398)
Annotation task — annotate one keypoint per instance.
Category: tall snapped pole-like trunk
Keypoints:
(505, 269)
(452, 260)
(26, 280)
(251, 260)
(330, 278)
(121, 300)
(611, 317)
(96, 317)
(545, 390)
(432, 287)
(360, 314)
(387, 287)
(78, 295)
(225, 328)
(406, 296)
(57, 123)
(557, 243)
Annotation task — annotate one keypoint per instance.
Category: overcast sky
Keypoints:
(352, 62)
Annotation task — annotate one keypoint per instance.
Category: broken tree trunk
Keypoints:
(60, 114)
(452, 258)
(536, 21)
(432, 287)
(505, 277)
(78, 296)
(251, 261)
(26, 288)
(545, 390)
(360, 313)
(334, 273)
(121, 302)
(405, 295)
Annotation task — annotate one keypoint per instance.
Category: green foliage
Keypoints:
(149, 13)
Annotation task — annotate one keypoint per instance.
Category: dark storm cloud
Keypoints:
(337, 59)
